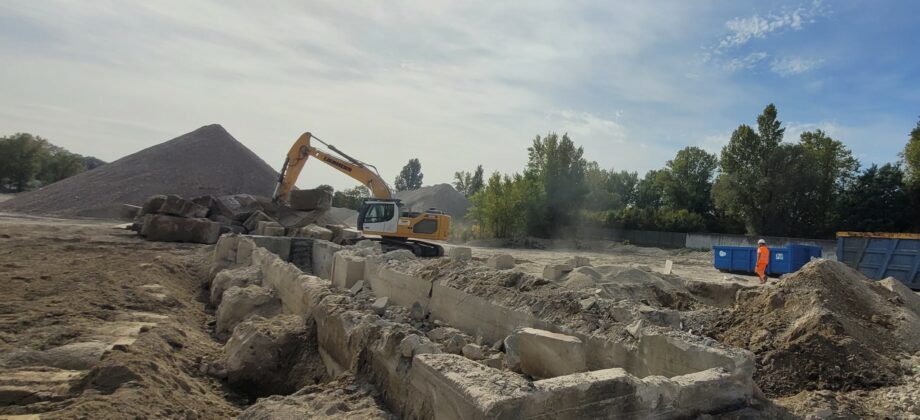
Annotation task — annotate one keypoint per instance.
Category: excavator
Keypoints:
(381, 215)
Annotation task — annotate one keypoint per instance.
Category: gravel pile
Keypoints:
(442, 197)
(207, 161)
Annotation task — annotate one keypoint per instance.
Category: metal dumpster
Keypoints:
(882, 255)
(787, 259)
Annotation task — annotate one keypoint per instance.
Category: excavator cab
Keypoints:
(384, 217)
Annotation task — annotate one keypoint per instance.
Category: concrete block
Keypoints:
(310, 199)
(380, 305)
(544, 354)
(152, 205)
(128, 212)
(314, 232)
(346, 270)
(278, 245)
(402, 289)
(291, 218)
(501, 262)
(555, 272)
(241, 303)
(579, 261)
(263, 225)
(461, 253)
(668, 266)
(158, 227)
(324, 257)
(177, 206)
(235, 277)
(272, 230)
(252, 223)
(237, 207)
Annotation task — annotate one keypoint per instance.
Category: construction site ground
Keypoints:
(77, 281)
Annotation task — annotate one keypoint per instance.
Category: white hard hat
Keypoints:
(761, 242)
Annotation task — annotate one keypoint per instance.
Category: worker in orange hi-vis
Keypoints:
(763, 258)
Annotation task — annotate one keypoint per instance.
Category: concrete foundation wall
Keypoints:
(323, 258)
(664, 377)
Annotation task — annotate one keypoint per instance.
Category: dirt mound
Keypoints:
(824, 327)
(207, 161)
(442, 197)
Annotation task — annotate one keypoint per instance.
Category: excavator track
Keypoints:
(419, 248)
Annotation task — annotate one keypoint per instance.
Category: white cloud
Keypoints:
(746, 62)
(790, 66)
(756, 26)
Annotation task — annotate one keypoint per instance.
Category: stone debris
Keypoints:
(357, 288)
(554, 272)
(240, 303)
(501, 262)
(380, 305)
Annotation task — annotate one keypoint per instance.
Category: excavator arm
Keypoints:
(302, 150)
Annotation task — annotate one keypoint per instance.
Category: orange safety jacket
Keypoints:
(763, 257)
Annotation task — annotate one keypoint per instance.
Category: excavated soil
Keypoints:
(67, 285)
(825, 327)
(205, 161)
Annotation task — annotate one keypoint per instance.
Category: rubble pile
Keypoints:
(171, 218)
(825, 327)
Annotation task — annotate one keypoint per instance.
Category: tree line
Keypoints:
(759, 184)
(28, 162)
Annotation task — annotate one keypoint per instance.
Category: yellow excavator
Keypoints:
(380, 215)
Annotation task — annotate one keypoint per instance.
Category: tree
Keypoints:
(410, 177)
(911, 156)
(468, 183)
(558, 168)
(689, 183)
(23, 154)
(877, 201)
(351, 198)
(57, 164)
(500, 207)
(831, 168)
(623, 186)
(650, 191)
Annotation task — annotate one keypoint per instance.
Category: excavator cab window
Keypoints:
(379, 212)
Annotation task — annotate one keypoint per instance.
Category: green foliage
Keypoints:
(351, 198)
(557, 168)
(877, 201)
(608, 190)
(468, 183)
(650, 191)
(58, 164)
(670, 220)
(688, 182)
(499, 209)
(410, 177)
(911, 156)
(21, 158)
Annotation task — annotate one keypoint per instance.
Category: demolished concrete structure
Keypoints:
(662, 373)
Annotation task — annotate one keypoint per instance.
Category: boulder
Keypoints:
(241, 303)
(543, 354)
(273, 356)
(307, 200)
(158, 227)
(234, 277)
(501, 262)
(252, 222)
(174, 205)
(380, 305)
(344, 234)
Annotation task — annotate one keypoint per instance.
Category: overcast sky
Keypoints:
(458, 84)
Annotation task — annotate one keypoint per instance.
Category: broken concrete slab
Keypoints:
(278, 245)
(262, 225)
(152, 205)
(323, 257)
(544, 354)
(357, 288)
(314, 232)
(252, 223)
(162, 228)
(235, 277)
(554, 272)
(273, 230)
(237, 207)
(501, 261)
(174, 205)
(460, 253)
(346, 270)
(241, 303)
(308, 200)
(380, 305)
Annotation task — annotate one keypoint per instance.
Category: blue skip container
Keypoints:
(742, 259)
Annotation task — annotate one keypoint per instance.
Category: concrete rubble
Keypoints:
(435, 348)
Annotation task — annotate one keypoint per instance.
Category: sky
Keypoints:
(457, 84)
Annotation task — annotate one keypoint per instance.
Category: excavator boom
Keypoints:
(302, 150)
